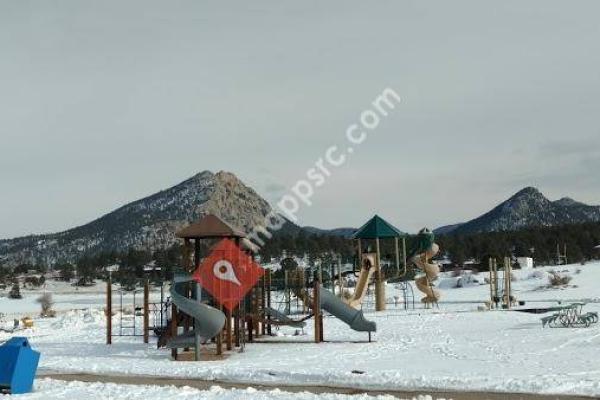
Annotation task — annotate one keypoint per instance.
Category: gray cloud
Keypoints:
(567, 148)
(276, 188)
(105, 102)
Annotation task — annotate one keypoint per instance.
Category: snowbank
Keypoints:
(52, 389)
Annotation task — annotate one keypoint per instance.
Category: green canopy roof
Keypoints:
(377, 227)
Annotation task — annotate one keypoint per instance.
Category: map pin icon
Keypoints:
(224, 271)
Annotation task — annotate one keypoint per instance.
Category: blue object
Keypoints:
(18, 363)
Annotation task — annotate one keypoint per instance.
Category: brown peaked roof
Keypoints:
(210, 226)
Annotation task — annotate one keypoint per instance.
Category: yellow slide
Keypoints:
(366, 272)
(422, 261)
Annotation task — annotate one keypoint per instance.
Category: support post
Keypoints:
(491, 268)
(405, 261)
(109, 311)
(249, 324)
(269, 276)
(255, 311)
(263, 302)
(332, 275)
(219, 340)
(359, 249)
(495, 276)
(228, 336)
(286, 292)
(379, 286)
(220, 343)
(193, 290)
(197, 338)
(173, 327)
(340, 282)
(397, 251)
(317, 310)
(321, 330)
(320, 272)
(236, 326)
(146, 312)
(507, 282)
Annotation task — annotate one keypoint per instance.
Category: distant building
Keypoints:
(525, 262)
(472, 263)
(113, 268)
(151, 267)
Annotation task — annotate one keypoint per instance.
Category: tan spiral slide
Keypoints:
(432, 270)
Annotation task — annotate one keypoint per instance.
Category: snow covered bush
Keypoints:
(15, 292)
(537, 275)
(467, 280)
(46, 303)
(78, 319)
(555, 279)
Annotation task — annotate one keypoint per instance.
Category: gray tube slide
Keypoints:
(283, 319)
(353, 317)
(208, 320)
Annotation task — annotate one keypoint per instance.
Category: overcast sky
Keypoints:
(102, 103)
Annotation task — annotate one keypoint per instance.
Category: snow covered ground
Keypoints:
(65, 297)
(52, 389)
(453, 348)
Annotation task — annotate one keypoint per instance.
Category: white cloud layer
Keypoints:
(105, 102)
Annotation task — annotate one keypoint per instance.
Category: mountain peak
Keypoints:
(529, 208)
(202, 175)
(525, 200)
(529, 191)
(227, 178)
(149, 223)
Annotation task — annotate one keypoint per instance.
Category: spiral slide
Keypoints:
(208, 320)
(432, 270)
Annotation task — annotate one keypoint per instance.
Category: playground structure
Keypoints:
(129, 311)
(421, 256)
(198, 317)
(500, 286)
(375, 230)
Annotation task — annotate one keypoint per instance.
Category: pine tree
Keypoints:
(15, 292)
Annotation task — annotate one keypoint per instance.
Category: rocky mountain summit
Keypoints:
(528, 208)
(149, 223)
